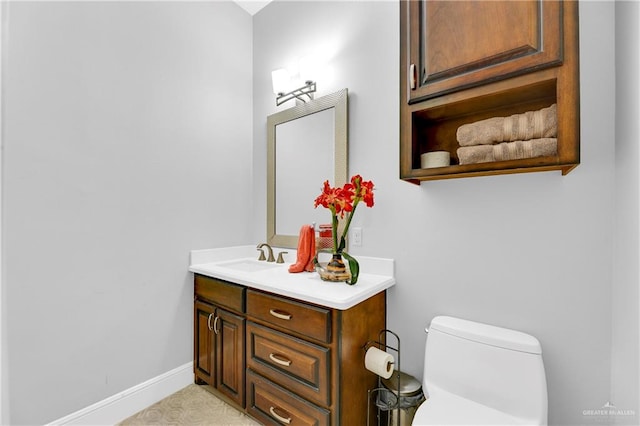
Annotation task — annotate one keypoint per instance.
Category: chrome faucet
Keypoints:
(270, 258)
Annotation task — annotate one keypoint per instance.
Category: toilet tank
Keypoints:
(496, 367)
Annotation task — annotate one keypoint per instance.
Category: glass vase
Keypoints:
(335, 270)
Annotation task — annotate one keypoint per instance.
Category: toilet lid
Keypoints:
(444, 408)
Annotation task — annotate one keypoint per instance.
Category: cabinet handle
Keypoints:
(284, 420)
(280, 315)
(209, 322)
(412, 76)
(215, 324)
(273, 357)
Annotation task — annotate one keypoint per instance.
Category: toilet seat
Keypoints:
(445, 408)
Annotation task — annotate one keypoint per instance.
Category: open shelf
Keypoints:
(434, 125)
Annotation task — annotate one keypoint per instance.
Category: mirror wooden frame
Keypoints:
(339, 102)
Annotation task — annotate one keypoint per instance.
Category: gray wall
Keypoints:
(4, 365)
(624, 337)
(127, 143)
(533, 252)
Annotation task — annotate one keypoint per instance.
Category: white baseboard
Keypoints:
(118, 407)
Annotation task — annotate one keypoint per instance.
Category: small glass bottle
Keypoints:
(325, 240)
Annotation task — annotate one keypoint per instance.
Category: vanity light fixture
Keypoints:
(304, 93)
(294, 85)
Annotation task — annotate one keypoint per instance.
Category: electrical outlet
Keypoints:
(356, 237)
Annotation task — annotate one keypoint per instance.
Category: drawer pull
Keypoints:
(209, 322)
(215, 325)
(285, 420)
(273, 357)
(280, 315)
(412, 76)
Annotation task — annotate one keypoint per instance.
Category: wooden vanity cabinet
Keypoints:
(302, 363)
(466, 61)
(219, 337)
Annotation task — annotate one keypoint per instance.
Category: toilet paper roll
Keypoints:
(435, 159)
(379, 362)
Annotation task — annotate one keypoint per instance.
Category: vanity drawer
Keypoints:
(220, 292)
(273, 405)
(307, 320)
(296, 364)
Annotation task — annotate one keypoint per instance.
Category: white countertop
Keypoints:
(376, 275)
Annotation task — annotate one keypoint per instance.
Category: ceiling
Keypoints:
(252, 6)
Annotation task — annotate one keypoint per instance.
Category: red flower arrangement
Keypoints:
(343, 201)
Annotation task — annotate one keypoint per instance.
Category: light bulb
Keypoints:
(280, 80)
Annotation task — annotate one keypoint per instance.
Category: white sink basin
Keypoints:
(249, 265)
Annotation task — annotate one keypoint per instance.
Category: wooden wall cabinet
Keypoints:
(302, 363)
(466, 61)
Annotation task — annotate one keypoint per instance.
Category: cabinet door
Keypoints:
(204, 343)
(453, 45)
(229, 329)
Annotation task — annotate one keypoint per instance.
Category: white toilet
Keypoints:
(478, 374)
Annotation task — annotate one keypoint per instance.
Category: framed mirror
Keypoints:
(306, 145)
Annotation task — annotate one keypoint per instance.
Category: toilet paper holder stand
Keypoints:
(383, 345)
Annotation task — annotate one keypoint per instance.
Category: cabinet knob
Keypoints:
(412, 76)
(285, 420)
